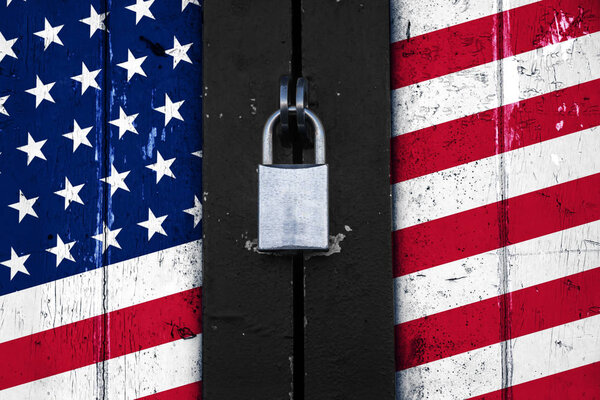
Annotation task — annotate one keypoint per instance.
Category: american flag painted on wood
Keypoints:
(496, 188)
(100, 199)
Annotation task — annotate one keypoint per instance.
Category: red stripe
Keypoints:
(494, 320)
(83, 343)
(474, 137)
(577, 383)
(491, 38)
(480, 230)
(192, 391)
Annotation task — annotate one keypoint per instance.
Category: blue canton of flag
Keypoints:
(96, 134)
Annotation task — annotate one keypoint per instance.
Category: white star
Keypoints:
(24, 206)
(87, 78)
(70, 193)
(141, 9)
(16, 263)
(124, 122)
(179, 52)
(170, 109)
(6, 47)
(79, 136)
(62, 251)
(162, 167)
(197, 153)
(184, 3)
(153, 224)
(95, 21)
(50, 34)
(2, 101)
(116, 180)
(110, 236)
(196, 211)
(133, 65)
(41, 91)
(9, 1)
(33, 148)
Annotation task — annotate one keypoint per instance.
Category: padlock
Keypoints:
(293, 199)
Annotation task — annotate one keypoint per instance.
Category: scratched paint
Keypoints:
(469, 226)
(119, 315)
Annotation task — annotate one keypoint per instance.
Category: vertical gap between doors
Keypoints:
(298, 259)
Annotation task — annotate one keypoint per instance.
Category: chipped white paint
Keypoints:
(479, 371)
(475, 89)
(476, 184)
(334, 247)
(78, 297)
(467, 281)
(127, 377)
(408, 15)
(475, 278)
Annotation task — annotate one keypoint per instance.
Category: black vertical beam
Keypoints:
(247, 331)
(349, 295)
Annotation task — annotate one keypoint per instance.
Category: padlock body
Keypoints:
(293, 207)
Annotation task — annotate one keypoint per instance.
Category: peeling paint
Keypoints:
(334, 247)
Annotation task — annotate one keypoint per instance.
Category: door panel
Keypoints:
(102, 297)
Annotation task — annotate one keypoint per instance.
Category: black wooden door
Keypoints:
(314, 326)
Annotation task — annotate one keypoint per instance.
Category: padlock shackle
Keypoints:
(270, 128)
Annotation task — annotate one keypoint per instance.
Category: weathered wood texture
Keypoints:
(105, 317)
(349, 295)
(496, 198)
(176, 269)
(247, 296)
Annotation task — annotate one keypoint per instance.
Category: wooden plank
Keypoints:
(247, 296)
(88, 319)
(172, 137)
(42, 177)
(349, 297)
(495, 197)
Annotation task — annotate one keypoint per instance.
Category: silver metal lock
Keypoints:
(293, 199)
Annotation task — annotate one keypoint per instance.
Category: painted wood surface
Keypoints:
(348, 295)
(248, 339)
(496, 198)
(107, 300)
(349, 298)
(494, 180)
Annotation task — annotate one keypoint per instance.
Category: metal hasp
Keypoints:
(293, 199)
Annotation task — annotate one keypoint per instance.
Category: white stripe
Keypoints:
(426, 16)
(477, 183)
(479, 88)
(477, 372)
(78, 297)
(476, 278)
(127, 377)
